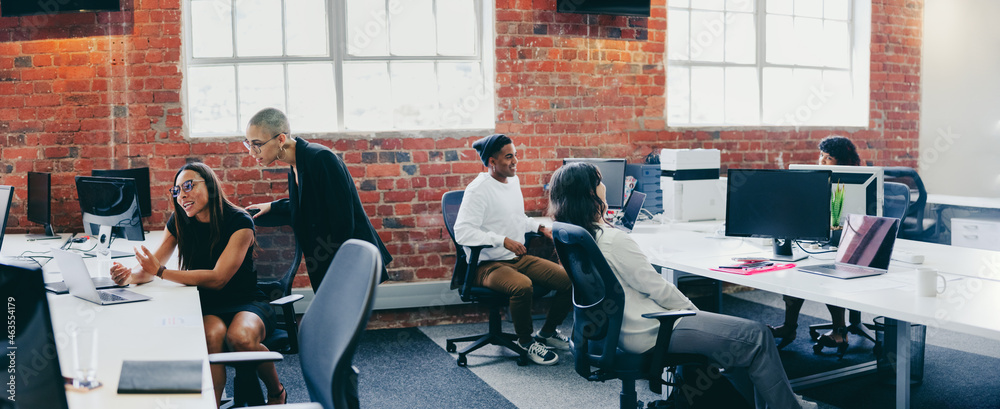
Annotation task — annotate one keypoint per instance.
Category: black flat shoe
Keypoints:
(282, 394)
(787, 333)
(827, 341)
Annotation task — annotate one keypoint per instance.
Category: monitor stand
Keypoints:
(783, 251)
(49, 234)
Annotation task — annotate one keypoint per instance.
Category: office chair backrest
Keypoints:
(909, 177)
(334, 322)
(450, 203)
(598, 298)
(897, 200)
(277, 260)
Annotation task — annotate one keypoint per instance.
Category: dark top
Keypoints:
(324, 209)
(242, 287)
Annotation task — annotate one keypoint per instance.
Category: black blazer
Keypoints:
(323, 209)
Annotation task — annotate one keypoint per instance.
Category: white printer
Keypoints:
(692, 188)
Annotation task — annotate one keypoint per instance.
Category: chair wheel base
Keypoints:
(462, 361)
(450, 347)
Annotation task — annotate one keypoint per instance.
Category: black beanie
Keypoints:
(489, 146)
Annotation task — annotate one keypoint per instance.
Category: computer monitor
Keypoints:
(613, 177)
(141, 177)
(110, 209)
(40, 203)
(6, 197)
(36, 378)
(784, 205)
(863, 187)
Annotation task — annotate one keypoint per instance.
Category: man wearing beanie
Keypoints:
(492, 214)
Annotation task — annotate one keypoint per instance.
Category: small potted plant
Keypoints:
(836, 205)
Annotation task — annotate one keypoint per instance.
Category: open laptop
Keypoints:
(865, 248)
(630, 213)
(77, 278)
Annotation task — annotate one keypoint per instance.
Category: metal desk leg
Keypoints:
(903, 342)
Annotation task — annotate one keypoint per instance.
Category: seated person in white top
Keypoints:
(744, 348)
(492, 214)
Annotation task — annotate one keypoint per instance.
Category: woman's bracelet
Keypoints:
(159, 272)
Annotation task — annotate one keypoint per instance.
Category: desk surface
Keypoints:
(168, 327)
(966, 201)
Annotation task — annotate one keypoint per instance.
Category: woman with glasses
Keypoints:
(323, 206)
(215, 242)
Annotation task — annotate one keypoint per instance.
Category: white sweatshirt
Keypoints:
(645, 290)
(490, 212)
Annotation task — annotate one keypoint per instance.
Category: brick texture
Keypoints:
(103, 90)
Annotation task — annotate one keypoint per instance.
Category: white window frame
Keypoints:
(859, 29)
(338, 55)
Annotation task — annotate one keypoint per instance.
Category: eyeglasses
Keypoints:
(186, 186)
(254, 147)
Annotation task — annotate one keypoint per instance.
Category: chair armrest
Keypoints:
(667, 320)
(532, 235)
(288, 299)
(470, 272)
(668, 314)
(307, 405)
(244, 357)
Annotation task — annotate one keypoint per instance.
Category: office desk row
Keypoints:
(968, 305)
(167, 327)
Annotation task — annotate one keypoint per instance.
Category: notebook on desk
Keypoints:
(865, 248)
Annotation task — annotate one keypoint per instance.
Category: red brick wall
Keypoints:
(101, 90)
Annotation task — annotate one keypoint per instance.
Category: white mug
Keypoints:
(927, 282)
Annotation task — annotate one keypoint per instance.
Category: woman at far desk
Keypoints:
(215, 241)
(577, 196)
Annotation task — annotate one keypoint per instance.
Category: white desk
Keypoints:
(964, 201)
(168, 327)
(968, 306)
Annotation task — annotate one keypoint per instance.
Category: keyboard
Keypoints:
(852, 269)
(845, 271)
(106, 296)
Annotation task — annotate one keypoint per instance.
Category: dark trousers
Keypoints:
(515, 278)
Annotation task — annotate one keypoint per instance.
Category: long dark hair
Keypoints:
(841, 149)
(217, 203)
(573, 196)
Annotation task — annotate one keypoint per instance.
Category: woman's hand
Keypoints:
(261, 208)
(147, 261)
(120, 274)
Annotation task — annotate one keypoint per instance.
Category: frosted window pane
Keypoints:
(836, 9)
(412, 28)
(367, 103)
(367, 28)
(305, 30)
(707, 36)
(742, 96)
(677, 3)
(780, 40)
(261, 86)
(795, 99)
(778, 89)
(707, 93)
(809, 8)
(456, 35)
(808, 40)
(709, 4)
(678, 95)
(212, 99)
(833, 99)
(780, 6)
(677, 35)
(837, 44)
(740, 5)
(212, 27)
(464, 101)
(741, 40)
(312, 97)
(258, 32)
(414, 95)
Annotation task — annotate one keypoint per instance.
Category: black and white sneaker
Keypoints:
(539, 354)
(557, 340)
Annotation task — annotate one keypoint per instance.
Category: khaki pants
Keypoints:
(515, 278)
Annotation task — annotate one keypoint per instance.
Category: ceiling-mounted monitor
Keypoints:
(15, 8)
(611, 7)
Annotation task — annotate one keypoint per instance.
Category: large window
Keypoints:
(339, 65)
(768, 63)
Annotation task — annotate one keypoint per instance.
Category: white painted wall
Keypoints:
(960, 107)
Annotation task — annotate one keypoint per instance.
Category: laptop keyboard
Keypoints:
(106, 296)
(853, 269)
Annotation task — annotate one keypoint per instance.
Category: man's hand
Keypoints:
(545, 231)
(514, 246)
(120, 274)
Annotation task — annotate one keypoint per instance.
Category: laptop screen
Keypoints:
(867, 241)
(632, 208)
(6, 196)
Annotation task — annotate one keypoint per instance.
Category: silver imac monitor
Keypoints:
(863, 186)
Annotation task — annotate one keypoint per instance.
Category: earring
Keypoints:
(281, 153)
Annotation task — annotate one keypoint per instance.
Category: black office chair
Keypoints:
(598, 309)
(331, 328)
(463, 278)
(277, 260)
(914, 226)
(896, 200)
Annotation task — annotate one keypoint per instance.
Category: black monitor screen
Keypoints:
(781, 204)
(6, 197)
(612, 175)
(30, 344)
(12, 8)
(39, 197)
(110, 202)
(141, 176)
(612, 7)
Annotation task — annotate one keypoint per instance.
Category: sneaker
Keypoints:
(804, 403)
(538, 354)
(557, 340)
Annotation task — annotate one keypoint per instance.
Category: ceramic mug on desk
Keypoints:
(927, 282)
